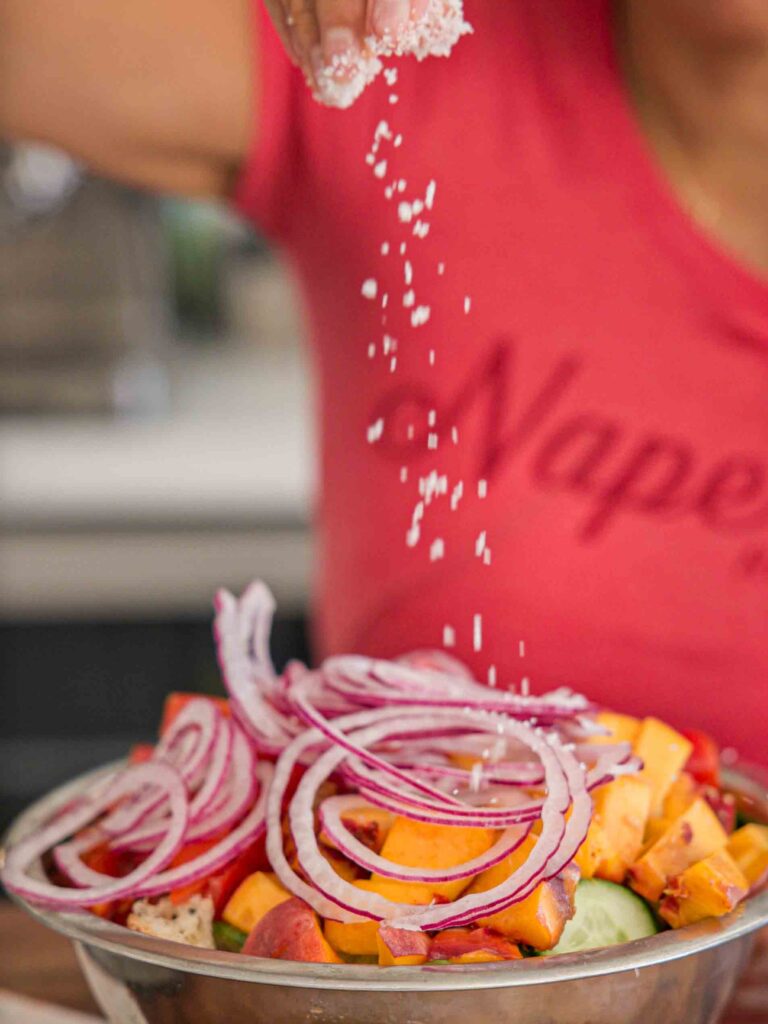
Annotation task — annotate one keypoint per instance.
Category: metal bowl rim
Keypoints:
(634, 956)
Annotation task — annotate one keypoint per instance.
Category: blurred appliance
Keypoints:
(84, 290)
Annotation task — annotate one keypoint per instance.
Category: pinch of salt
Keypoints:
(370, 288)
(375, 431)
(420, 316)
(437, 550)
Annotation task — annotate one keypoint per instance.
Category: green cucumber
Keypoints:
(606, 915)
(228, 938)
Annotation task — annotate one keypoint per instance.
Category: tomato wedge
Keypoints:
(704, 762)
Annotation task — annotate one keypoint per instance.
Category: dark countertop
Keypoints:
(39, 963)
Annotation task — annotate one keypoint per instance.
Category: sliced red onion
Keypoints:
(24, 855)
(331, 817)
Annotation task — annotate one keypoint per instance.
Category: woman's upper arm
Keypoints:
(157, 93)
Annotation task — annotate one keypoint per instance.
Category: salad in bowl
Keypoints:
(395, 813)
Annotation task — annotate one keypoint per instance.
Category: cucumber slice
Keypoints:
(606, 915)
(228, 938)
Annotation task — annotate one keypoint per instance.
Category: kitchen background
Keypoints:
(154, 444)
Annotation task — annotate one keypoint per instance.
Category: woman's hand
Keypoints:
(319, 33)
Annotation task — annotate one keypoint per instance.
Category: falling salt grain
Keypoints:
(394, 99)
(408, 272)
(411, 432)
(390, 75)
(525, 686)
(480, 544)
(370, 288)
(437, 550)
(380, 169)
(467, 304)
(403, 248)
(402, 185)
(449, 636)
(455, 435)
(393, 364)
(457, 495)
(487, 556)
(420, 316)
(389, 192)
(405, 212)
(375, 431)
(409, 298)
(482, 488)
(398, 141)
(441, 269)
(431, 357)
(370, 159)
(522, 648)
(477, 633)
(385, 248)
(432, 441)
(492, 676)
(429, 199)
(372, 350)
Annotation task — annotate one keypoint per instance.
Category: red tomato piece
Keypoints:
(140, 753)
(220, 885)
(704, 762)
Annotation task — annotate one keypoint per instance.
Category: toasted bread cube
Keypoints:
(710, 888)
(690, 838)
(419, 845)
(749, 848)
(664, 753)
(254, 898)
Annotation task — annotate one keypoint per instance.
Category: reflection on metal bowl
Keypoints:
(683, 977)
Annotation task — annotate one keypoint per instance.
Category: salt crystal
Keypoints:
(405, 212)
(420, 229)
(375, 431)
(408, 272)
(457, 495)
(403, 474)
(380, 169)
(389, 344)
(482, 488)
(480, 543)
(477, 633)
(393, 364)
(385, 248)
(371, 350)
(409, 298)
(432, 441)
(417, 206)
(487, 556)
(455, 435)
(390, 74)
(389, 192)
(384, 300)
(403, 248)
(429, 199)
(431, 357)
(383, 131)
(432, 417)
(394, 99)
(525, 686)
(370, 159)
(370, 288)
(521, 648)
(467, 304)
(492, 675)
(402, 185)
(441, 269)
(420, 316)
(411, 432)
(437, 549)
(449, 636)
(413, 536)
(398, 141)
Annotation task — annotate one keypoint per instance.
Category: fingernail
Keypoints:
(339, 43)
(389, 17)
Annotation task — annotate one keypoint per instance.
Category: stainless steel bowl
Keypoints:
(683, 977)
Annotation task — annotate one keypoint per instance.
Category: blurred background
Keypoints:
(154, 444)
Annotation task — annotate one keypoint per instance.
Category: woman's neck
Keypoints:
(700, 87)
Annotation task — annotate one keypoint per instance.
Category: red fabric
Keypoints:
(609, 382)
